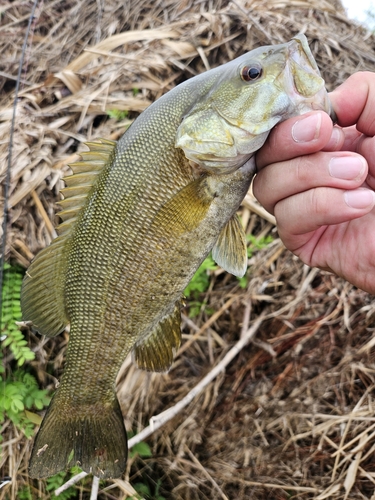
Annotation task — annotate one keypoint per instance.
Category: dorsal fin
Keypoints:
(156, 352)
(80, 183)
(42, 295)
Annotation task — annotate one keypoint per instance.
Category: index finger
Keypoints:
(298, 136)
(354, 102)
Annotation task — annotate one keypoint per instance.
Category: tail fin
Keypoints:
(96, 442)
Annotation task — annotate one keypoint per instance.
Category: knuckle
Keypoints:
(319, 202)
(305, 169)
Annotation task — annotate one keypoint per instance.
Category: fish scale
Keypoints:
(139, 217)
(132, 232)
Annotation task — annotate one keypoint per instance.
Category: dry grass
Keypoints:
(293, 414)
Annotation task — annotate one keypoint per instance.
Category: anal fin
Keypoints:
(157, 351)
(230, 249)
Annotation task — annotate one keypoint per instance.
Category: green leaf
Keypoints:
(38, 404)
(142, 489)
(24, 493)
(142, 449)
(17, 405)
(33, 417)
(6, 318)
(22, 342)
(118, 114)
(243, 281)
(7, 341)
(29, 355)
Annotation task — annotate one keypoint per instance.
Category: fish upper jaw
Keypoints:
(299, 46)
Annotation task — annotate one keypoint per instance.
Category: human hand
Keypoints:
(319, 182)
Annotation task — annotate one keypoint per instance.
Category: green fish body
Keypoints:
(139, 217)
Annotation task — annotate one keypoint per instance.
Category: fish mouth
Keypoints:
(305, 85)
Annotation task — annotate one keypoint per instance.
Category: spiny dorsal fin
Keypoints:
(157, 351)
(42, 295)
(80, 183)
(230, 249)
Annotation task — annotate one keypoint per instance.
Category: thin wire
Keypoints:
(10, 149)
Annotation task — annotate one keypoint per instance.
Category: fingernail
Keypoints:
(359, 198)
(307, 129)
(334, 140)
(346, 167)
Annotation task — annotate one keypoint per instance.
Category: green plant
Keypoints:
(201, 279)
(19, 391)
(118, 114)
(257, 243)
(144, 491)
(141, 449)
(54, 482)
(198, 285)
(254, 245)
(18, 394)
(24, 493)
(11, 335)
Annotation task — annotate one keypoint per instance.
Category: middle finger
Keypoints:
(344, 170)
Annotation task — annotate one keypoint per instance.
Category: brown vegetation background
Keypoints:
(293, 415)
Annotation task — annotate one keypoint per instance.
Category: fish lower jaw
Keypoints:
(303, 105)
(217, 165)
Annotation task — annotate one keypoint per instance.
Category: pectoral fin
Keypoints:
(186, 209)
(156, 353)
(230, 249)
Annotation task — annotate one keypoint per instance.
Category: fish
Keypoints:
(138, 218)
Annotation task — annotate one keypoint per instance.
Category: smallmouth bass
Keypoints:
(139, 216)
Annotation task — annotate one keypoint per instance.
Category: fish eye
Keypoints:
(251, 73)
